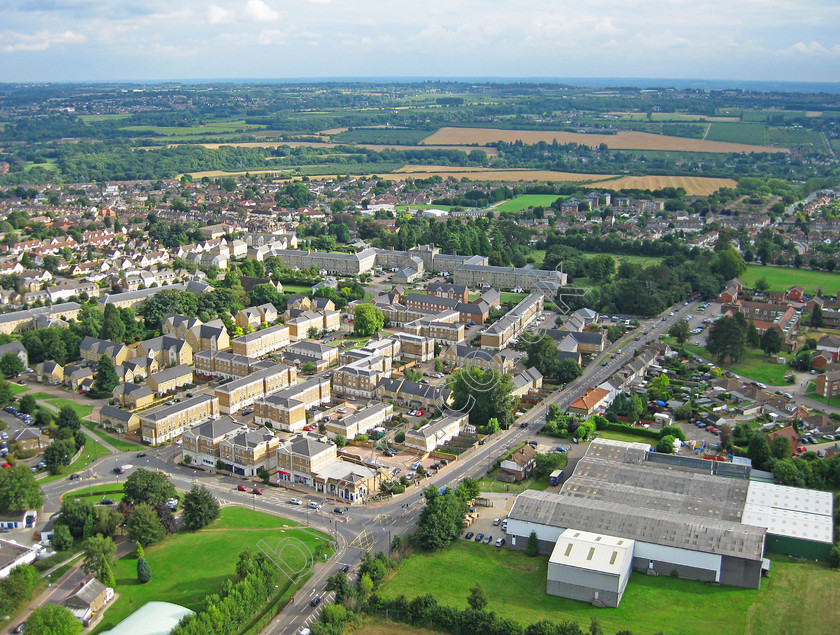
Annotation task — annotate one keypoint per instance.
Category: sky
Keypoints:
(146, 40)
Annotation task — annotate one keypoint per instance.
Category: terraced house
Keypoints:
(170, 379)
(92, 348)
(301, 457)
(262, 342)
(225, 364)
(165, 350)
(286, 409)
(212, 336)
(415, 347)
(516, 320)
(362, 421)
(165, 423)
(360, 378)
(201, 443)
(256, 315)
(245, 452)
(243, 392)
(462, 356)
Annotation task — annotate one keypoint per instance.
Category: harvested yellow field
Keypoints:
(693, 185)
(332, 131)
(623, 140)
(489, 174)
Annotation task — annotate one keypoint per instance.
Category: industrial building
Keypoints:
(699, 519)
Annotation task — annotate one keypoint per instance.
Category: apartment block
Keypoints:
(516, 320)
(242, 392)
(162, 424)
(246, 451)
(314, 351)
(300, 458)
(320, 320)
(225, 364)
(262, 342)
(361, 421)
(412, 394)
(416, 347)
(360, 378)
(436, 433)
(286, 409)
(201, 442)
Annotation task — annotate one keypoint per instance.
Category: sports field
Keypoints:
(514, 585)
(782, 278)
(527, 201)
(623, 140)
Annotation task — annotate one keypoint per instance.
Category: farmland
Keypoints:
(514, 585)
(753, 133)
(623, 140)
(693, 185)
(781, 278)
(401, 136)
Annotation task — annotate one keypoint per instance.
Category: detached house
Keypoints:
(519, 464)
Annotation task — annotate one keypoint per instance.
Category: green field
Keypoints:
(187, 567)
(513, 298)
(752, 366)
(795, 137)
(624, 436)
(49, 164)
(394, 136)
(526, 201)
(514, 585)
(119, 443)
(110, 117)
(490, 484)
(210, 128)
(736, 132)
(17, 389)
(782, 278)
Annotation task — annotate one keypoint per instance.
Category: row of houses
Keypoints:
(498, 335)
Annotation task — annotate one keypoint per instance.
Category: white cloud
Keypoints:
(39, 41)
(813, 49)
(271, 36)
(259, 11)
(219, 15)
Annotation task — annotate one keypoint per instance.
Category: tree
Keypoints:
(441, 519)
(600, 268)
(58, 455)
(106, 376)
(68, 418)
(759, 451)
(144, 525)
(477, 599)
(11, 365)
(99, 550)
(674, 431)
(484, 394)
(834, 557)
(542, 355)
(771, 341)
(533, 547)
(367, 320)
(665, 445)
(568, 370)
(680, 331)
(19, 489)
(200, 508)
(144, 486)
(729, 264)
(547, 463)
(781, 447)
(113, 328)
(761, 285)
(139, 552)
(340, 585)
(75, 514)
(27, 404)
(726, 436)
(727, 339)
(52, 619)
(144, 571)
(492, 426)
(308, 368)
(62, 540)
(412, 374)
(264, 475)
(817, 316)
(684, 412)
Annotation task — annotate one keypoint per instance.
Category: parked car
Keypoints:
(801, 448)
(479, 537)
(469, 535)
(140, 455)
(106, 501)
(242, 488)
(339, 511)
(497, 522)
(257, 491)
(488, 539)
(315, 601)
(295, 501)
(500, 542)
(172, 503)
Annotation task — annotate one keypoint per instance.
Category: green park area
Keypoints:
(514, 584)
(95, 493)
(92, 451)
(189, 566)
(754, 365)
(783, 278)
(527, 201)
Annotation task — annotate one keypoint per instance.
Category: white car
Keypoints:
(295, 501)
(314, 505)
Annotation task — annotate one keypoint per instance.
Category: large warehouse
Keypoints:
(680, 518)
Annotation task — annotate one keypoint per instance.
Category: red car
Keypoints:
(257, 490)
(801, 448)
(308, 428)
(242, 488)
(419, 413)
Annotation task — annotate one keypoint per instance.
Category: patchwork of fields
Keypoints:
(623, 140)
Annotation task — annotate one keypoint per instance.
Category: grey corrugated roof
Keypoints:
(683, 531)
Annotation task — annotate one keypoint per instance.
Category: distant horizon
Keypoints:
(642, 83)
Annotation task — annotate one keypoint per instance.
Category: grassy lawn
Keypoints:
(515, 583)
(782, 278)
(297, 288)
(835, 402)
(490, 484)
(752, 366)
(92, 448)
(526, 201)
(120, 444)
(59, 402)
(624, 436)
(187, 567)
(513, 298)
(98, 492)
(371, 625)
(17, 389)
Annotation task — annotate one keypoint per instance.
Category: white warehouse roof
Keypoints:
(594, 552)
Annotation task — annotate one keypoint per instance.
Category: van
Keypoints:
(314, 505)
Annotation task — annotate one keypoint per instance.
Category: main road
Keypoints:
(362, 528)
